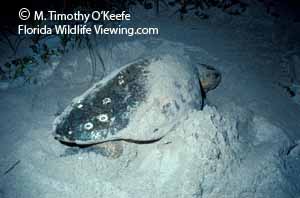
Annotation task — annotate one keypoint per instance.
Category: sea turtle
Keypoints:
(140, 102)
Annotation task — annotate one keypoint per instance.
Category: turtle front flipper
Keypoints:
(111, 149)
(209, 77)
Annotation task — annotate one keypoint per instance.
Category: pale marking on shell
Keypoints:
(127, 97)
(106, 101)
(79, 106)
(121, 82)
(88, 126)
(102, 117)
(70, 132)
(112, 121)
(96, 135)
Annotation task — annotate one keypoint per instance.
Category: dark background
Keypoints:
(9, 9)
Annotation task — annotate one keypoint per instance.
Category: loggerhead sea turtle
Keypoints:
(140, 103)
